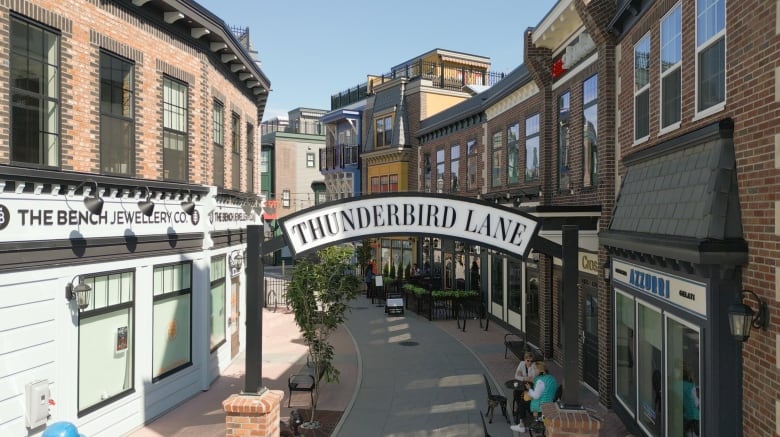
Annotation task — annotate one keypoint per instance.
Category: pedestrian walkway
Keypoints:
(400, 376)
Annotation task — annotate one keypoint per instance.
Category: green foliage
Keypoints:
(418, 291)
(453, 294)
(319, 293)
(363, 253)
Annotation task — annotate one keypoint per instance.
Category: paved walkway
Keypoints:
(400, 376)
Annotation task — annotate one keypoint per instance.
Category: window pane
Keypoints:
(497, 280)
(710, 19)
(649, 366)
(625, 377)
(642, 63)
(671, 39)
(513, 153)
(670, 98)
(642, 115)
(532, 148)
(171, 334)
(515, 286)
(683, 378)
(712, 77)
(563, 141)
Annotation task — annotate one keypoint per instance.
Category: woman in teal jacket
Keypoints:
(544, 388)
(542, 392)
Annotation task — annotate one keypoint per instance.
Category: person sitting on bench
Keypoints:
(542, 392)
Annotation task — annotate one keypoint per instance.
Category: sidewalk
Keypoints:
(398, 377)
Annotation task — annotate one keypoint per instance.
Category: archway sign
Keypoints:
(409, 214)
(484, 224)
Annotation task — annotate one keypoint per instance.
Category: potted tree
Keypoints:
(319, 292)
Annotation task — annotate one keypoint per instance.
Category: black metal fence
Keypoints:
(276, 293)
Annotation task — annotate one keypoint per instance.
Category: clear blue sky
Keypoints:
(311, 49)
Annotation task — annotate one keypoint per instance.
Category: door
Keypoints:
(590, 340)
(235, 318)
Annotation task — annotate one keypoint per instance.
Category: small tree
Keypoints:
(319, 291)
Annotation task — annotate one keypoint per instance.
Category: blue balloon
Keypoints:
(61, 429)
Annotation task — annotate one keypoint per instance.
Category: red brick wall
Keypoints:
(88, 26)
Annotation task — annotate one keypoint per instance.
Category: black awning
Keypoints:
(680, 200)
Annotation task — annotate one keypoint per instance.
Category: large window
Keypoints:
(590, 113)
(427, 172)
(683, 385)
(642, 89)
(217, 319)
(514, 285)
(116, 116)
(532, 148)
(218, 128)
(106, 341)
(34, 89)
(172, 319)
(513, 154)
(496, 161)
(625, 359)
(454, 168)
(472, 160)
(563, 141)
(235, 146)
(384, 131)
(174, 130)
(671, 67)
(496, 279)
(250, 158)
(710, 53)
(650, 369)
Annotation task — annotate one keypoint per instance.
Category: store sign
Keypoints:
(438, 215)
(573, 54)
(589, 262)
(36, 217)
(230, 216)
(679, 291)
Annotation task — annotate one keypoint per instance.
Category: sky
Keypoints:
(311, 49)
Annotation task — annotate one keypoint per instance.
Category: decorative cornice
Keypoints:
(513, 100)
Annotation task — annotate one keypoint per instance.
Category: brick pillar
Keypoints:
(568, 423)
(247, 415)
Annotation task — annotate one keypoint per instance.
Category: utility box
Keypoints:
(36, 396)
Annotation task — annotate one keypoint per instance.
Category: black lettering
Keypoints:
(331, 222)
(348, 219)
(408, 214)
(392, 215)
(448, 218)
(378, 216)
(315, 226)
(300, 228)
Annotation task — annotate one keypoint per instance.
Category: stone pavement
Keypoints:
(400, 376)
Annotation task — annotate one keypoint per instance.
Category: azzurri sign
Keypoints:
(482, 223)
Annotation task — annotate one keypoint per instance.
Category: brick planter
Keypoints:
(568, 423)
(248, 415)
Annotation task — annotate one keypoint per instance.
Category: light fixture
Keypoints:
(607, 270)
(517, 201)
(742, 317)
(81, 292)
(146, 206)
(188, 206)
(93, 202)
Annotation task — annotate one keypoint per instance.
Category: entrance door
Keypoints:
(590, 347)
(234, 317)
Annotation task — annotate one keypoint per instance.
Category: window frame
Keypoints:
(167, 296)
(701, 47)
(496, 152)
(533, 136)
(218, 142)
(564, 118)
(641, 87)
(286, 201)
(454, 168)
(440, 169)
(250, 158)
(216, 282)
(593, 151)
(95, 311)
(383, 131)
(471, 164)
(311, 160)
(513, 153)
(235, 149)
(129, 95)
(169, 132)
(666, 71)
(52, 97)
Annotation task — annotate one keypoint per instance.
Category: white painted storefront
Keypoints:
(146, 342)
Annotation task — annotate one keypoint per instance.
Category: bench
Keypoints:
(518, 346)
(303, 382)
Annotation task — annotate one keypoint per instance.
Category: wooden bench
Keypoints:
(303, 382)
(517, 345)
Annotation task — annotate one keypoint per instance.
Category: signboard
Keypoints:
(482, 223)
(679, 291)
(35, 217)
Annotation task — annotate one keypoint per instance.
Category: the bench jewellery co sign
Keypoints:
(410, 214)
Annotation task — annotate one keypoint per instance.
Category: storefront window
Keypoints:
(515, 285)
(682, 352)
(106, 342)
(625, 382)
(496, 279)
(217, 320)
(649, 369)
(172, 319)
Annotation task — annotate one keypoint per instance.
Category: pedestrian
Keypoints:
(540, 392)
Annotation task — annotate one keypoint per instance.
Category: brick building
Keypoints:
(128, 179)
